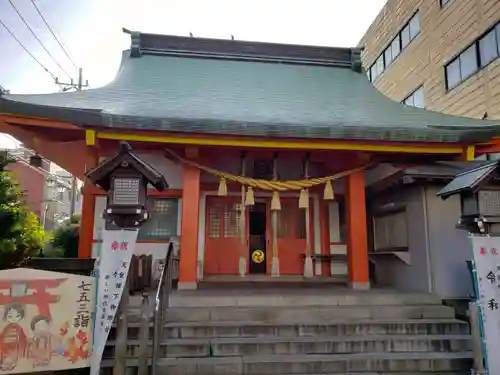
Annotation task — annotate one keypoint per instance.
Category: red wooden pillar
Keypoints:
(357, 245)
(189, 224)
(86, 235)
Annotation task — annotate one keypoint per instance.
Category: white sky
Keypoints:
(92, 31)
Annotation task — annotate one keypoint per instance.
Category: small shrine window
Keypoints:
(163, 222)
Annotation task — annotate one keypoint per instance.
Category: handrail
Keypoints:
(162, 296)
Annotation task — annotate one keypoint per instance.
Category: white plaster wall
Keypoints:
(336, 268)
(170, 170)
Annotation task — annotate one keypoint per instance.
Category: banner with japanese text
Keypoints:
(46, 321)
(113, 266)
(487, 276)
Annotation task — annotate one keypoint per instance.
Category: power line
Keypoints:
(37, 38)
(53, 34)
(24, 47)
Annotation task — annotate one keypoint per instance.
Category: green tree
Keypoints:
(21, 235)
(64, 242)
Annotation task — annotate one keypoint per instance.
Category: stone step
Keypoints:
(313, 364)
(309, 313)
(327, 328)
(254, 346)
(299, 298)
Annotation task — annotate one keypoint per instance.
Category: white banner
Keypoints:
(487, 265)
(116, 253)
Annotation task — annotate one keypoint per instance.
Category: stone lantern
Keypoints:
(125, 177)
(479, 190)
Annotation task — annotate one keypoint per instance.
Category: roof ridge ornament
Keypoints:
(135, 42)
(356, 63)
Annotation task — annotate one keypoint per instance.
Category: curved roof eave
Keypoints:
(247, 98)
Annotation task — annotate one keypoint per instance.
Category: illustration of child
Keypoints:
(42, 343)
(13, 340)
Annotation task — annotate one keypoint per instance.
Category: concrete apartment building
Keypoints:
(47, 188)
(442, 55)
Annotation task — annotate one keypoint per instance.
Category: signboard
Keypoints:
(45, 321)
(487, 277)
(113, 267)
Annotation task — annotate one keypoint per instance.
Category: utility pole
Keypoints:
(78, 87)
(72, 85)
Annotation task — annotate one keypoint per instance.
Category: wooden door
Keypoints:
(222, 236)
(292, 236)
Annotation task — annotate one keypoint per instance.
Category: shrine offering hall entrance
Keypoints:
(257, 240)
(223, 246)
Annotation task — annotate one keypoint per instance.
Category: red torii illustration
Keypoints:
(39, 296)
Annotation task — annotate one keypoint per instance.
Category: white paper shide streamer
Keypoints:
(117, 249)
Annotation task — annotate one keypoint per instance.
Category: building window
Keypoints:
(163, 220)
(416, 98)
(388, 55)
(453, 74)
(464, 66)
(380, 64)
(476, 56)
(414, 25)
(390, 232)
(488, 48)
(409, 32)
(395, 47)
(468, 62)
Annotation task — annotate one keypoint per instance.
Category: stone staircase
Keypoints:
(307, 332)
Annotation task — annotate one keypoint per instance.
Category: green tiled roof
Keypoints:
(188, 92)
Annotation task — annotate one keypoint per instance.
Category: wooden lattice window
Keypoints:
(163, 221)
(214, 220)
(223, 220)
(232, 220)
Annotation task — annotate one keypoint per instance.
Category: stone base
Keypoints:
(187, 285)
(359, 286)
